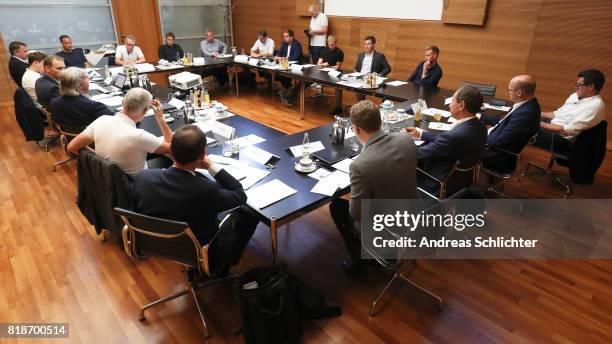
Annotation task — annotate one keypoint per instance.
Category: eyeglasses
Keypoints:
(579, 85)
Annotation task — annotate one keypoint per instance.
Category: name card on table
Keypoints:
(253, 62)
(241, 58)
(199, 61)
(296, 67)
(334, 73)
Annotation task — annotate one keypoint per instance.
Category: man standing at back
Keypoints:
(385, 169)
(317, 32)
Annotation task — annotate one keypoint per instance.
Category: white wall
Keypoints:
(394, 9)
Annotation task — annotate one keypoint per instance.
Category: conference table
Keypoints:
(277, 143)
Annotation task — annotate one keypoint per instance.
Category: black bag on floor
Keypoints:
(268, 310)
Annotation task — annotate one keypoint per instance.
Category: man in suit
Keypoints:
(73, 108)
(428, 72)
(464, 142)
(181, 193)
(18, 62)
(371, 61)
(385, 169)
(292, 50)
(47, 86)
(514, 130)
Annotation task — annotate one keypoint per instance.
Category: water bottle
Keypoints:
(306, 147)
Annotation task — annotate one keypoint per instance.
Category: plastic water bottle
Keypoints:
(306, 147)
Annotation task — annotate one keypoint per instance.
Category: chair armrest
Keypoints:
(428, 175)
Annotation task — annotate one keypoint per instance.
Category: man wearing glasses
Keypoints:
(582, 110)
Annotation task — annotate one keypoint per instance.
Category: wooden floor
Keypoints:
(53, 268)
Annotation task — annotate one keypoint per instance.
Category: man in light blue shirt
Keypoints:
(212, 47)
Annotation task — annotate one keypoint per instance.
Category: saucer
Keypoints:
(303, 169)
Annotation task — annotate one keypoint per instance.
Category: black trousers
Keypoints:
(339, 209)
(219, 73)
(315, 53)
(233, 238)
(553, 142)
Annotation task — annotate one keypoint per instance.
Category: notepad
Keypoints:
(269, 193)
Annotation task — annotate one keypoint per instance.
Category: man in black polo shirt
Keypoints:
(72, 57)
(428, 72)
(170, 51)
(332, 57)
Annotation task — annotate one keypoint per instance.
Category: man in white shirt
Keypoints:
(317, 32)
(129, 53)
(263, 47)
(33, 73)
(582, 110)
(116, 137)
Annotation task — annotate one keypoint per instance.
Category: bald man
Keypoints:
(513, 131)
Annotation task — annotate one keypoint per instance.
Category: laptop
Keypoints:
(335, 153)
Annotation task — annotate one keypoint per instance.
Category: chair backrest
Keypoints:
(461, 176)
(28, 116)
(67, 133)
(152, 236)
(486, 90)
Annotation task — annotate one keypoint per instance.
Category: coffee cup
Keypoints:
(306, 162)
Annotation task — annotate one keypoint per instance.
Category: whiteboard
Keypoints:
(392, 9)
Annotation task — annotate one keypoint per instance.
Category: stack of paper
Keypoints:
(271, 192)
(328, 185)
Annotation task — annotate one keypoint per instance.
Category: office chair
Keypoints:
(462, 175)
(147, 236)
(584, 159)
(496, 187)
(398, 267)
(67, 133)
(485, 90)
(30, 119)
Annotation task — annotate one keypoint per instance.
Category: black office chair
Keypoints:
(499, 176)
(67, 133)
(147, 236)
(485, 90)
(31, 120)
(584, 159)
(462, 175)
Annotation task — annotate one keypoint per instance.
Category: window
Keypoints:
(40, 23)
(189, 20)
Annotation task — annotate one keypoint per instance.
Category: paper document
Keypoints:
(112, 101)
(144, 67)
(313, 146)
(328, 185)
(343, 165)
(221, 160)
(177, 103)
(252, 176)
(249, 140)
(356, 84)
(97, 97)
(217, 128)
(93, 58)
(256, 154)
(433, 111)
(498, 108)
(319, 174)
(271, 192)
(171, 66)
(396, 83)
(355, 74)
(439, 126)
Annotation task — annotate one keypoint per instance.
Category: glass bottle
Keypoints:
(306, 147)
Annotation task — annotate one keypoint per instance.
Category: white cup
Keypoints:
(305, 162)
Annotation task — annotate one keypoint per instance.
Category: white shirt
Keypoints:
(117, 139)
(578, 115)
(122, 53)
(454, 125)
(366, 65)
(514, 107)
(29, 82)
(317, 23)
(263, 48)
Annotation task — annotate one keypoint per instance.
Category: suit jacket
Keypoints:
(102, 186)
(176, 194)
(440, 152)
(512, 134)
(385, 169)
(28, 116)
(379, 63)
(17, 68)
(296, 51)
(77, 111)
(46, 89)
